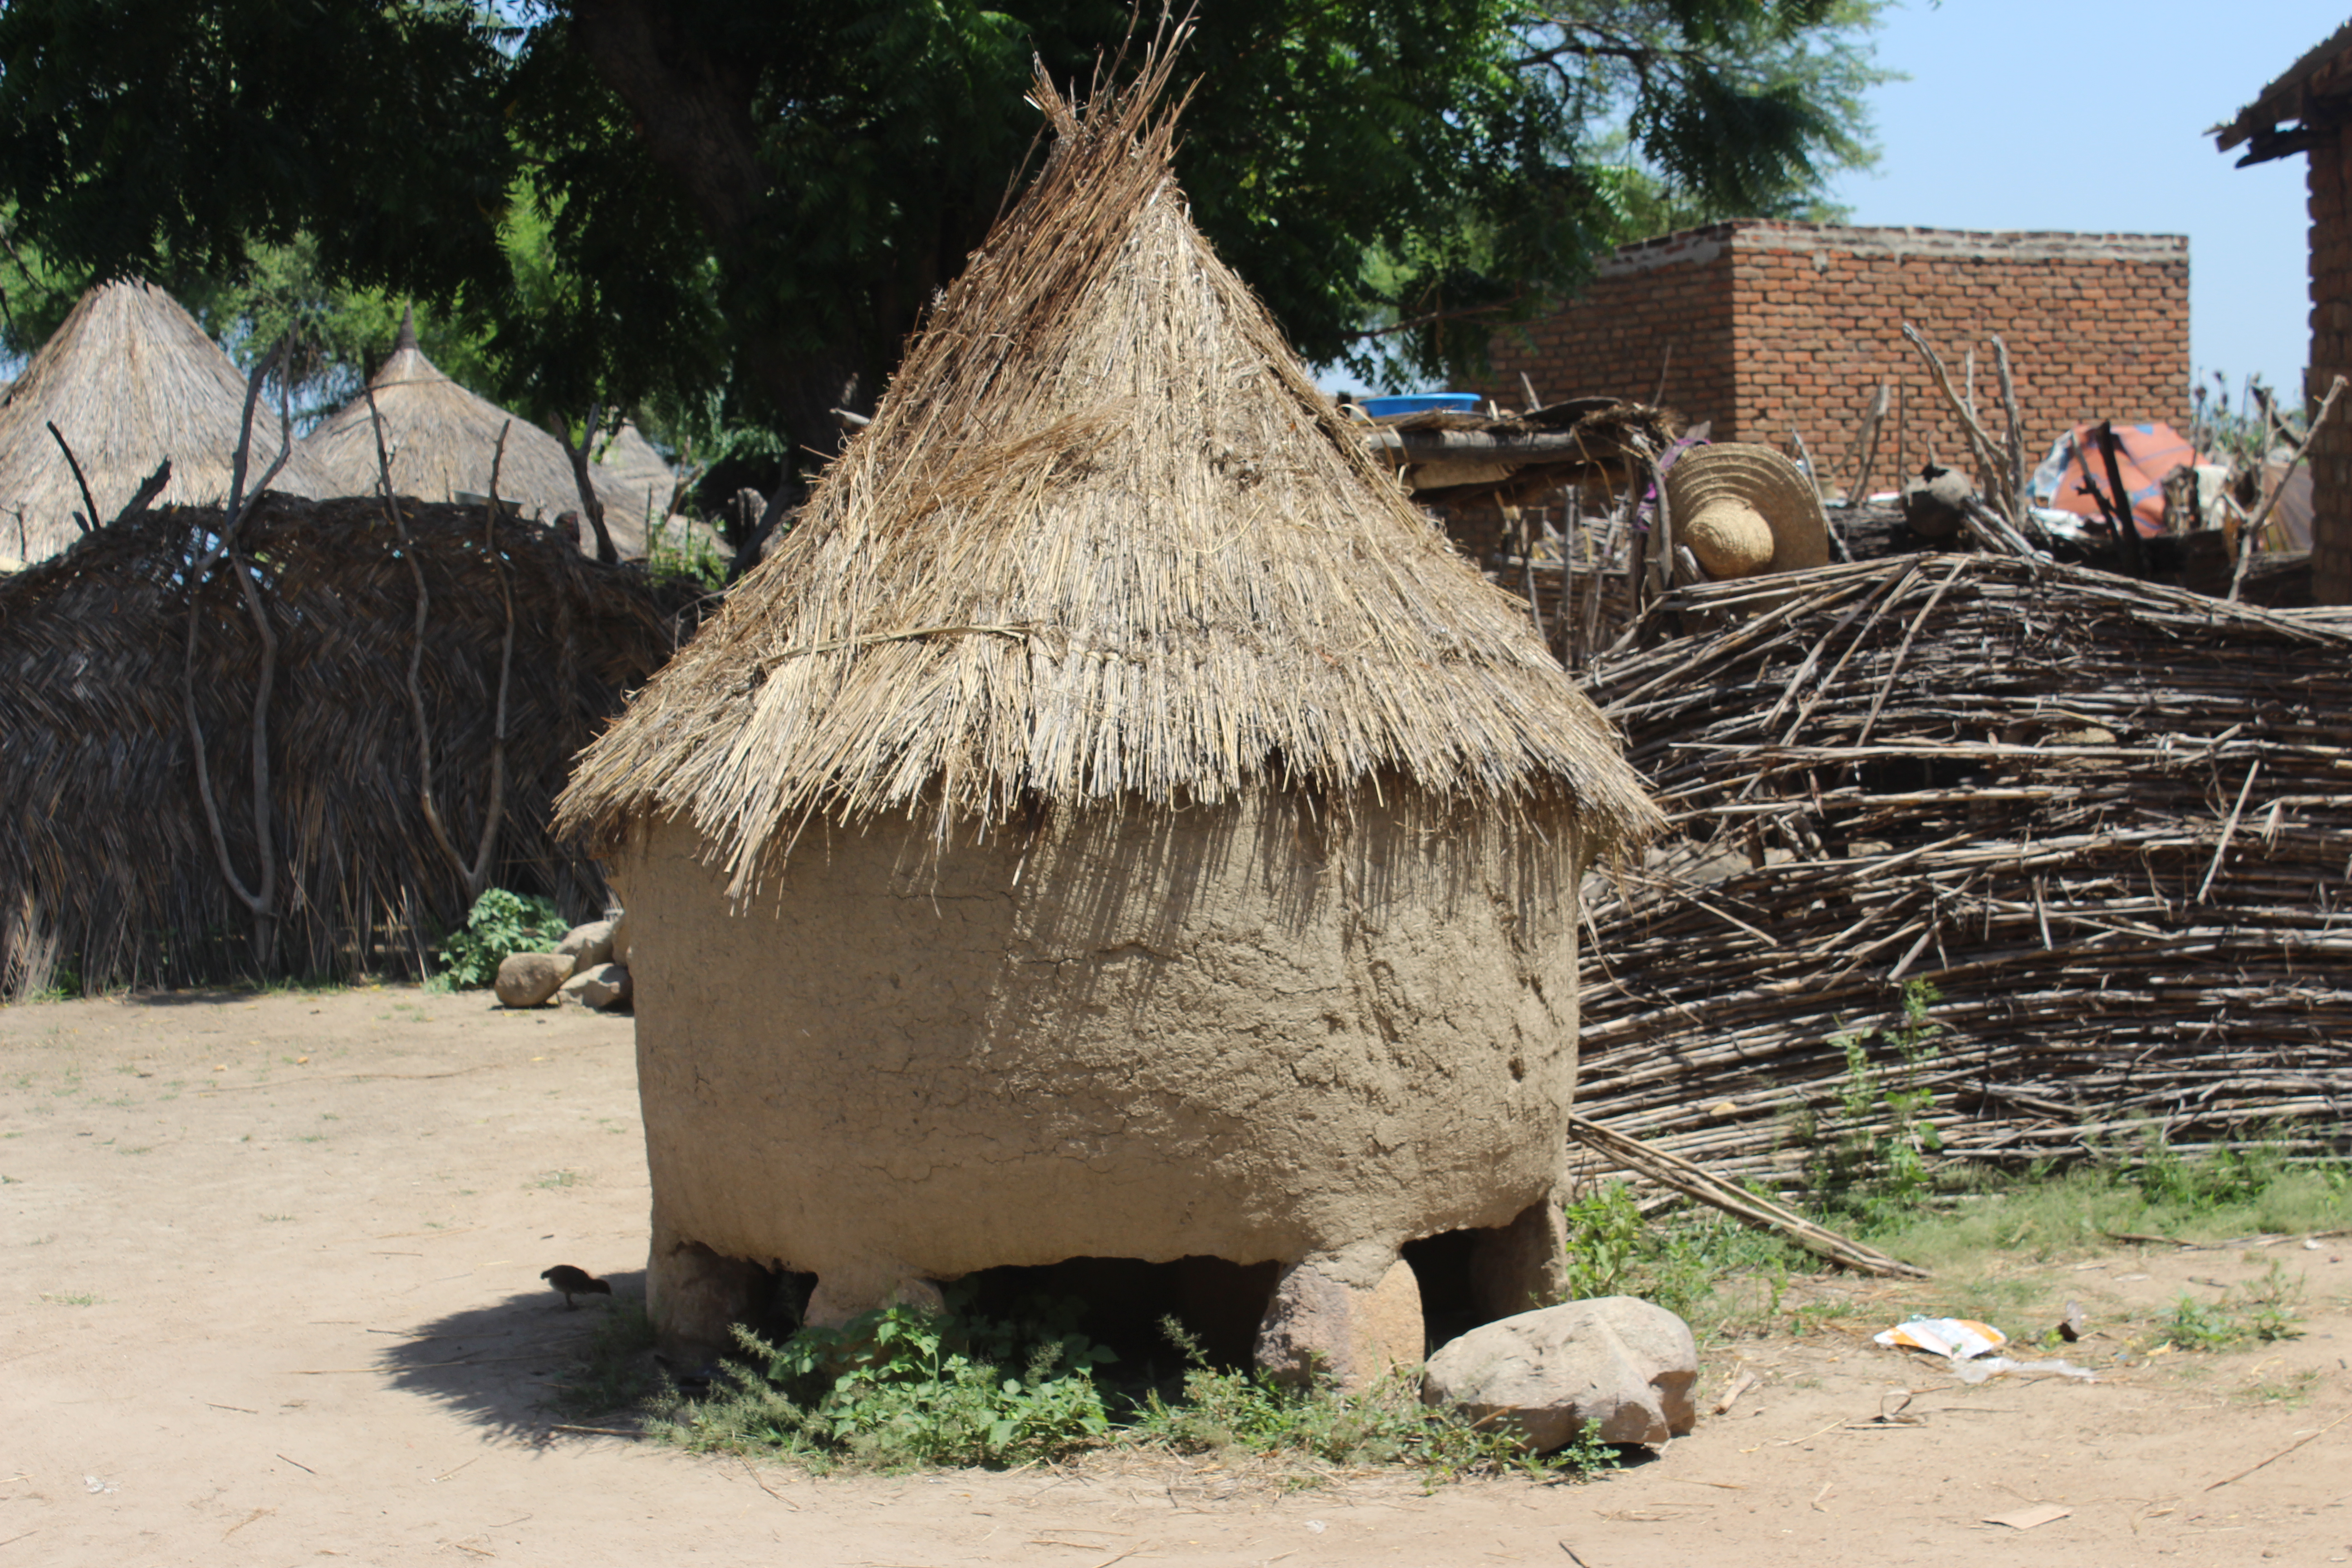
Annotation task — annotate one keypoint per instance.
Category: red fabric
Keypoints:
(2144, 453)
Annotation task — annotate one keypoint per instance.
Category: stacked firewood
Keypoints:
(2095, 834)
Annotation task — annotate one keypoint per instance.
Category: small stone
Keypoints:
(1326, 1318)
(606, 985)
(528, 979)
(587, 946)
(1622, 1366)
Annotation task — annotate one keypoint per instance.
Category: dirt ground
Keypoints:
(269, 1271)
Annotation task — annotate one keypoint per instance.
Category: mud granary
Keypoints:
(1114, 825)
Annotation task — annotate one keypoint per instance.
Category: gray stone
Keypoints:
(1622, 1366)
(1347, 1319)
(588, 946)
(528, 979)
(606, 985)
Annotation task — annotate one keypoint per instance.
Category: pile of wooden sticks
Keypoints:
(2106, 825)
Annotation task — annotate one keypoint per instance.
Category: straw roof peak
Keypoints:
(129, 379)
(442, 439)
(1104, 538)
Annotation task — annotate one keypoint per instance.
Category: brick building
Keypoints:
(1761, 326)
(2309, 111)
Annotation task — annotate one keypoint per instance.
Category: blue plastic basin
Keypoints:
(1424, 402)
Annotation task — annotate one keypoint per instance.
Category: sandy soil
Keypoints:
(270, 1273)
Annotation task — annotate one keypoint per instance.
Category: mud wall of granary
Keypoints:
(1254, 1031)
(1768, 327)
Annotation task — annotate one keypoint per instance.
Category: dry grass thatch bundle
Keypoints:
(442, 439)
(106, 866)
(1104, 539)
(129, 380)
(2109, 823)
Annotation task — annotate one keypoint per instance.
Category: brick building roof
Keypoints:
(2316, 93)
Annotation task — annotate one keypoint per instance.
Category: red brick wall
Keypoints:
(2331, 356)
(1782, 325)
(1656, 323)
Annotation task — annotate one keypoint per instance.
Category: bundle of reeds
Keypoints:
(111, 863)
(2109, 824)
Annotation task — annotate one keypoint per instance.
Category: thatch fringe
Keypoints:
(1104, 539)
(2109, 823)
(106, 871)
(129, 380)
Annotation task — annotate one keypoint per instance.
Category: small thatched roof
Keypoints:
(442, 438)
(129, 379)
(1104, 538)
(632, 466)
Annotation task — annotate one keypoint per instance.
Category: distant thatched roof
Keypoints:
(630, 465)
(131, 380)
(1104, 537)
(442, 438)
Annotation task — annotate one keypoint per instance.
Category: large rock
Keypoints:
(1619, 1364)
(588, 946)
(606, 985)
(1345, 1318)
(528, 979)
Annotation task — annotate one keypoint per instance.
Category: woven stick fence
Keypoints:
(109, 872)
(2109, 823)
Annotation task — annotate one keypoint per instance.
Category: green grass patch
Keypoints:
(901, 1389)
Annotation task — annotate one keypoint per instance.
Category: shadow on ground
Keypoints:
(503, 1367)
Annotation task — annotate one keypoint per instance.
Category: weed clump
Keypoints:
(499, 925)
(903, 1389)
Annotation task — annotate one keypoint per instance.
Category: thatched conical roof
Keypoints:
(631, 465)
(442, 438)
(129, 379)
(1104, 538)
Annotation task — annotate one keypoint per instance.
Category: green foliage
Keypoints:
(901, 1387)
(1873, 1153)
(2263, 1312)
(499, 925)
(661, 206)
(1703, 1266)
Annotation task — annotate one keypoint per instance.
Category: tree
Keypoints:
(750, 206)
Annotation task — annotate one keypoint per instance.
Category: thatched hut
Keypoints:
(129, 380)
(629, 465)
(442, 440)
(110, 866)
(1113, 825)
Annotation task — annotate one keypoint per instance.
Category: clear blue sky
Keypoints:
(2063, 114)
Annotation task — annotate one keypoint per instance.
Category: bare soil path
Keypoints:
(269, 1294)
